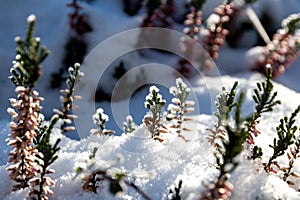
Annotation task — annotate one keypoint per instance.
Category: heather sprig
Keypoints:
(236, 134)
(224, 104)
(154, 103)
(265, 100)
(26, 108)
(99, 119)
(284, 47)
(292, 155)
(67, 98)
(216, 27)
(193, 26)
(26, 68)
(129, 126)
(286, 137)
(24, 128)
(40, 186)
(180, 106)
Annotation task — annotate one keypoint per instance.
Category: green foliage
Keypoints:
(264, 96)
(176, 194)
(293, 154)
(237, 135)
(265, 100)
(230, 148)
(26, 68)
(286, 136)
(46, 156)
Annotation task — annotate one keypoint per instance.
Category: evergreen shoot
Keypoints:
(231, 147)
(265, 101)
(292, 155)
(224, 104)
(286, 137)
(26, 68)
(154, 102)
(180, 106)
(67, 98)
(47, 154)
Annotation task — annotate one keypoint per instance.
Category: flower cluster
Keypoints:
(283, 49)
(193, 23)
(217, 32)
(24, 128)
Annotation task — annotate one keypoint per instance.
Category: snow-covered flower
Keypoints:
(99, 119)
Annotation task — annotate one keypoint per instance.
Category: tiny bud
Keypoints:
(31, 18)
(17, 39)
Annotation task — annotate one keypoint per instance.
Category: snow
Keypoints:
(153, 166)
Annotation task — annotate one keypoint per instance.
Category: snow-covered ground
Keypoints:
(163, 164)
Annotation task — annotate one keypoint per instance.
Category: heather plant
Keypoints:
(32, 152)
(154, 103)
(117, 182)
(216, 27)
(40, 185)
(224, 104)
(25, 115)
(67, 98)
(78, 20)
(236, 134)
(286, 137)
(265, 101)
(229, 139)
(129, 126)
(47, 152)
(179, 107)
(99, 119)
(193, 26)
